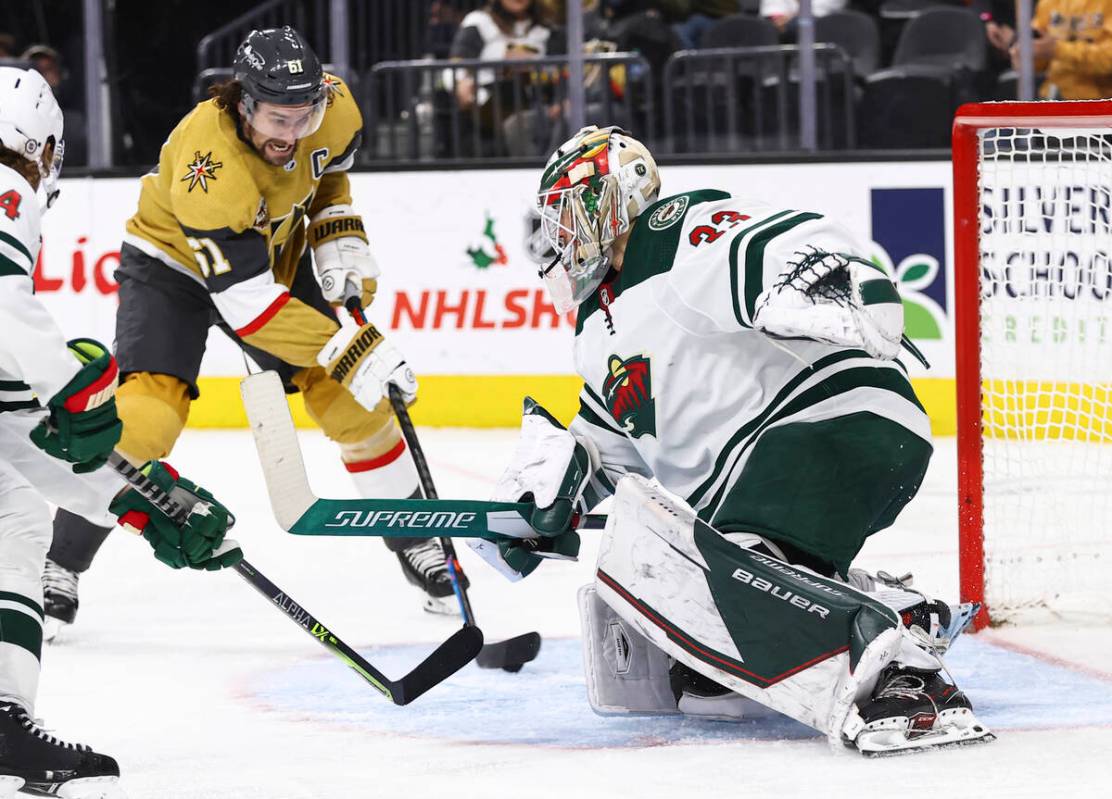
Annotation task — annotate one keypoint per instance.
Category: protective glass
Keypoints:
(284, 122)
(579, 223)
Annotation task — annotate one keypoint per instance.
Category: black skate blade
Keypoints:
(511, 654)
(915, 750)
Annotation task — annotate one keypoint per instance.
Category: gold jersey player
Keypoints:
(250, 194)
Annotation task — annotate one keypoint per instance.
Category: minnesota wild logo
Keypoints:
(627, 392)
(489, 251)
(201, 171)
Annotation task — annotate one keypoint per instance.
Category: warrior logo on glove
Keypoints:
(628, 394)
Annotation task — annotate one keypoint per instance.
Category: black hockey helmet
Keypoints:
(277, 65)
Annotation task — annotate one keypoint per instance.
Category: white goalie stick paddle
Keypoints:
(509, 655)
(446, 660)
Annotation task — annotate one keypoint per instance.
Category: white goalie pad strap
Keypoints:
(655, 576)
(625, 673)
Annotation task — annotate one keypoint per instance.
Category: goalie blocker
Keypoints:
(782, 636)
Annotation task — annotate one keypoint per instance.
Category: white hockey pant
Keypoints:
(28, 478)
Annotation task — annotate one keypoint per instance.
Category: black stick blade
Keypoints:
(511, 654)
(446, 660)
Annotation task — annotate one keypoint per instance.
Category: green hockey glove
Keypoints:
(550, 469)
(196, 542)
(83, 426)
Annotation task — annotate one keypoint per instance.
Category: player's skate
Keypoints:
(424, 566)
(59, 594)
(39, 764)
(915, 708)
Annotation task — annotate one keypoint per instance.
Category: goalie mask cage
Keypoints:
(1033, 297)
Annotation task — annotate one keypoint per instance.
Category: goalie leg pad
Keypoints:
(782, 636)
(625, 673)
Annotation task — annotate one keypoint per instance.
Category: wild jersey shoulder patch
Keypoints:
(669, 213)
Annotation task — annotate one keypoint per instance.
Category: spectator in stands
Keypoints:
(999, 19)
(501, 30)
(783, 13)
(48, 62)
(1073, 48)
(7, 45)
(691, 18)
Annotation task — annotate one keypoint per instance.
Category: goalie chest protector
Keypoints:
(670, 359)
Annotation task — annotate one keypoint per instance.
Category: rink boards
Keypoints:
(460, 294)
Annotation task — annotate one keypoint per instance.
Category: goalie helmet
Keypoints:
(277, 66)
(30, 124)
(593, 188)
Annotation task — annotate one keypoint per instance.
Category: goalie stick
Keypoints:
(509, 655)
(299, 511)
(446, 660)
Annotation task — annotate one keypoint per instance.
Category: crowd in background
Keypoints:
(1072, 55)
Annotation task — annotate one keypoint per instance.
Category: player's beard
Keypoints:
(270, 149)
(272, 153)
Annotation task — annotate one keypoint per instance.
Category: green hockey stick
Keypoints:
(299, 511)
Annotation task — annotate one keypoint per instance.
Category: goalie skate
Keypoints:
(915, 709)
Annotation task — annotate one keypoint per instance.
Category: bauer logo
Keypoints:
(909, 243)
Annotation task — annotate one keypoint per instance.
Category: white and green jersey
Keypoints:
(33, 355)
(678, 383)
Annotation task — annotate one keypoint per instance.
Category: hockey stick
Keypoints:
(299, 511)
(509, 655)
(445, 661)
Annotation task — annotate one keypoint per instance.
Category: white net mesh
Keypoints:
(1046, 365)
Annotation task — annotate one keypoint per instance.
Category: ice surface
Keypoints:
(200, 689)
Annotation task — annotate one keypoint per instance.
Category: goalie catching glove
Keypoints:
(549, 470)
(366, 364)
(193, 543)
(342, 255)
(834, 298)
(83, 426)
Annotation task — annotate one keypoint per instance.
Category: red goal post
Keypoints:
(1015, 164)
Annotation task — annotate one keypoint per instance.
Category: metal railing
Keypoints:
(742, 99)
(392, 30)
(218, 48)
(466, 109)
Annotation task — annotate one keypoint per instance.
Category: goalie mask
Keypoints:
(593, 188)
(31, 126)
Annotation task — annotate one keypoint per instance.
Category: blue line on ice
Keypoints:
(546, 703)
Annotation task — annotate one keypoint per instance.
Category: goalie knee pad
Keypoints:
(625, 673)
(153, 408)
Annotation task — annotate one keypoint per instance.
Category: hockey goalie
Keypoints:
(744, 403)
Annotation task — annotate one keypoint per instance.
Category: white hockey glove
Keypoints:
(341, 254)
(362, 360)
(834, 298)
(550, 469)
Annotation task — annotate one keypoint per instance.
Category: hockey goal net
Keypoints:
(1033, 285)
